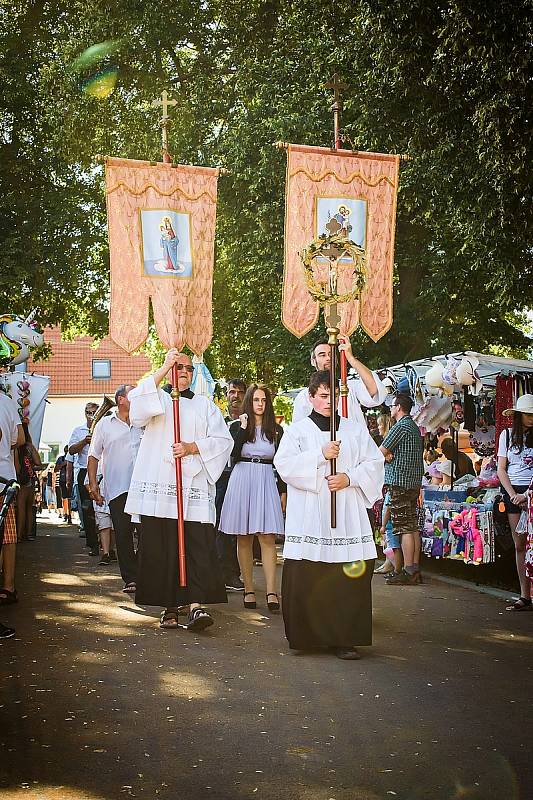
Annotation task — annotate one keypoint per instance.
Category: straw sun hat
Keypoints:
(524, 404)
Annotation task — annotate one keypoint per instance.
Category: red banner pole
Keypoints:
(175, 394)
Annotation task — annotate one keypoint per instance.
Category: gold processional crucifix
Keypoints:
(166, 103)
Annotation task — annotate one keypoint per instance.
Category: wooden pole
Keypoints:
(332, 320)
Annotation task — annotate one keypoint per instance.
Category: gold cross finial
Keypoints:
(337, 85)
(165, 101)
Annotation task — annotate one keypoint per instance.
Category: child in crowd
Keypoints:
(104, 526)
(391, 542)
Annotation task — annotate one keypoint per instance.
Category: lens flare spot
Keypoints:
(102, 84)
(96, 70)
(354, 569)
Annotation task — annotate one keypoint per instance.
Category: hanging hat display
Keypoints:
(449, 374)
(466, 374)
(434, 379)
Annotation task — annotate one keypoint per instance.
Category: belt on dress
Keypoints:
(256, 460)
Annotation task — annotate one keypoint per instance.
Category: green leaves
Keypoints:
(447, 84)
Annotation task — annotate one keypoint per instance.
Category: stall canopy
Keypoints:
(488, 370)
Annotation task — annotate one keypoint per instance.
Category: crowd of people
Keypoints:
(247, 484)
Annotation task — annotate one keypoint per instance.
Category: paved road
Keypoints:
(98, 703)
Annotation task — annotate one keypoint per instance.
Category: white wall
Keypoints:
(62, 415)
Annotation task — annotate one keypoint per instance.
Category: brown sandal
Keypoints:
(168, 619)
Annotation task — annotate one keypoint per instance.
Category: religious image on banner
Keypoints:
(341, 216)
(161, 224)
(351, 194)
(166, 243)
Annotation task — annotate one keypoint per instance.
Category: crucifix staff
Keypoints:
(166, 103)
(338, 86)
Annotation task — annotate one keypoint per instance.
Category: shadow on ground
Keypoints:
(97, 702)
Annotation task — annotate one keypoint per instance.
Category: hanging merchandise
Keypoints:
(460, 531)
(504, 399)
(29, 393)
(469, 411)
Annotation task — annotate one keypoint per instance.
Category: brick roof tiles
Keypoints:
(70, 366)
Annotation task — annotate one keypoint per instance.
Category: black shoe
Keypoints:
(346, 653)
(199, 620)
(249, 603)
(69, 520)
(272, 605)
(234, 585)
(94, 552)
(105, 560)
(112, 555)
(404, 578)
(5, 632)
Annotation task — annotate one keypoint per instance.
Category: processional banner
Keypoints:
(161, 223)
(354, 195)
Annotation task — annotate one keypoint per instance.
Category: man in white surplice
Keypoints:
(326, 585)
(204, 450)
(364, 389)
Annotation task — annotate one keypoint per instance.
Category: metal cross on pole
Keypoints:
(166, 103)
(338, 87)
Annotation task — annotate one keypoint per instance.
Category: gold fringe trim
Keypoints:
(160, 192)
(320, 177)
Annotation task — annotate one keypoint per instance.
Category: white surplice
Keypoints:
(301, 464)
(153, 485)
(358, 395)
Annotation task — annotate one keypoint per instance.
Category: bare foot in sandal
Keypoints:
(169, 618)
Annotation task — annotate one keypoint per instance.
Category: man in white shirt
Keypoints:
(205, 446)
(114, 444)
(78, 448)
(11, 435)
(366, 389)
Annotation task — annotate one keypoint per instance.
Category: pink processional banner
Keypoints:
(161, 223)
(340, 191)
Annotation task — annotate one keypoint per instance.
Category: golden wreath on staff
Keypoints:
(333, 248)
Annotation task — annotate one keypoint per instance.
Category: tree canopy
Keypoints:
(448, 84)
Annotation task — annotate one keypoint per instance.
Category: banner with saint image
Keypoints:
(161, 223)
(339, 192)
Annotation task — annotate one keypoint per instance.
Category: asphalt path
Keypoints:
(98, 703)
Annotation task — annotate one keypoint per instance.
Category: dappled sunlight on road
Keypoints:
(505, 637)
(184, 684)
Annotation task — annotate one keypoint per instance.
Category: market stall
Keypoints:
(462, 395)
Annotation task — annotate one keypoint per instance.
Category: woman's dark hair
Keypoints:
(519, 436)
(268, 423)
(320, 378)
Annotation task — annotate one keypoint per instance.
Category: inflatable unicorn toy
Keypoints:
(17, 335)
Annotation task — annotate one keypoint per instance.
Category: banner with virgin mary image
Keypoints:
(346, 193)
(161, 223)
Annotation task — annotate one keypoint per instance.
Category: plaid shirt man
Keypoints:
(407, 466)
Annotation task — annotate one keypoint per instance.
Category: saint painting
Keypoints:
(342, 216)
(166, 241)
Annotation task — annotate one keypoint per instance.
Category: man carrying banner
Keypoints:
(204, 450)
(367, 389)
(327, 572)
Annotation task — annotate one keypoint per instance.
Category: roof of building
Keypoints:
(71, 366)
